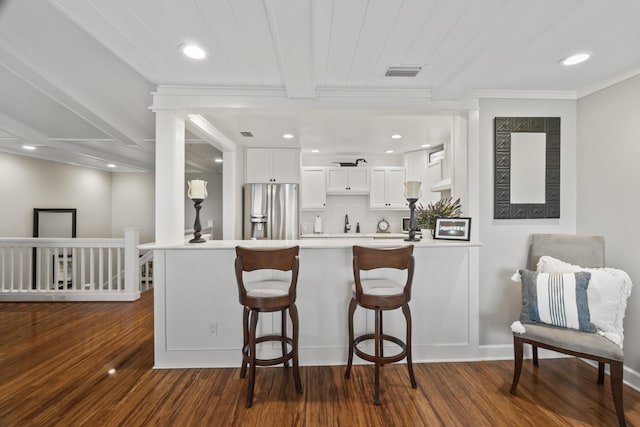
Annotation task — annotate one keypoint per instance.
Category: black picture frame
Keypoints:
(504, 127)
(68, 230)
(452, 229)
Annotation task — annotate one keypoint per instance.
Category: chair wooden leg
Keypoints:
(377, 344)
(518, 345)
(252, 357)
(407, 315)
(381, 340)
(600, 373)
(352, 309)
(293, 313)
(535, 355)
(245, 340)
(283, 333)
(617, 372)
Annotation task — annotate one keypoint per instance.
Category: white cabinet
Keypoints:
(313, 188)
(387, 188)
(348, 180)
(265, 165)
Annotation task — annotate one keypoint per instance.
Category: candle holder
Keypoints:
(197, 228)
(197, 192)
(412, 194)
(412, 221)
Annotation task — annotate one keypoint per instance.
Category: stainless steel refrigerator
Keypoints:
(271, 211)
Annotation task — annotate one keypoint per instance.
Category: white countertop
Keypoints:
(355, 236)
(308, 243)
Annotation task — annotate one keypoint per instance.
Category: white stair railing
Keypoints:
(146, 271)
(45, 269)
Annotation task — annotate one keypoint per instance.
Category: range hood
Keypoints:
(443, 185)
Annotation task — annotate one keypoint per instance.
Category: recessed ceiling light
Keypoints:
(111, 165)
(396, 136)
(218, 160)
(426, 145)
(315, 151)
(389, 151)
(288, 136)
(193, 51)
(575, 59)
(28, 147)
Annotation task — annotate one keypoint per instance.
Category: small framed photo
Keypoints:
(453, 229)
(405, 224)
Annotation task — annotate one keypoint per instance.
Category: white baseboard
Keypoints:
(505, 352)
(68, 296)
(631, 377)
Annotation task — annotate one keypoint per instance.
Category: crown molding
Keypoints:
(526, 94)
(608, 83)
(200, 99)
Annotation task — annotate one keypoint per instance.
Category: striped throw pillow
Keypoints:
(558, 299)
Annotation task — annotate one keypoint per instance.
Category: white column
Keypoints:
(131, 261)
(170, 185)
(230, 217)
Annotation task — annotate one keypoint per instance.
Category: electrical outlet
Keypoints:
(213, 328)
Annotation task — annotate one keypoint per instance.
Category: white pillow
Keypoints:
(608, 291)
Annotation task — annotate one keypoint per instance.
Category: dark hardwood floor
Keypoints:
(55, 360)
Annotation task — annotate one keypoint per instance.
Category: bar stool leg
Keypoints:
(381, 339)
(245, 341)
(293, 313)
(407, 315)
(252, 357)
(352, 309)
(377, 345)
(283, 333)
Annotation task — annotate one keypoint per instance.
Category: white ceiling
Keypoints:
(76, 76)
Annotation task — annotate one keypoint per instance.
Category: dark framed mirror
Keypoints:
(527, 167)
(52, 222)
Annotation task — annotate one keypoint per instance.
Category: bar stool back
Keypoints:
(266, 296)
(381, 295)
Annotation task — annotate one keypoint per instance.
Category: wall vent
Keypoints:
(402, 71)
(246, 134)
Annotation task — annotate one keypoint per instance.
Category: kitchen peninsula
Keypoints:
(198, 320)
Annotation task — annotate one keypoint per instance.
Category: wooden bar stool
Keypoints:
(381, 295)
(266, 296)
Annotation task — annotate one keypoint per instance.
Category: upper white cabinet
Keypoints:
(265, 165)
(387, 188)
(348, 180)
(313, 188)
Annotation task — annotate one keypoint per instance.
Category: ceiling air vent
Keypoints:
(402, 71)
(246, 134)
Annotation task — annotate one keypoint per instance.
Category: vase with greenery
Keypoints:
(443, 208)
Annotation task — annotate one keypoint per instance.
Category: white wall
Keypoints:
(504, 242)
(27, 183)
(357, 207)
(608, 196)
(417, 170)
(133, 204)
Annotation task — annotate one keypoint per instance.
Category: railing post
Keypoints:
(131, 255)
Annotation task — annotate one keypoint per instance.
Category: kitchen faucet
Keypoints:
(347, 227)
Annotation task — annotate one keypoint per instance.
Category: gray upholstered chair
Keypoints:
(586, 251)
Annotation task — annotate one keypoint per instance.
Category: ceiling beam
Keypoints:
(62, 95)
(291, 27)
(204, 129)
(28, 135)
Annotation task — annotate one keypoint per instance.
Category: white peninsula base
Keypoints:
(198, 319)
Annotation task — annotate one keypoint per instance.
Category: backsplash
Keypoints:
(357, 207)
